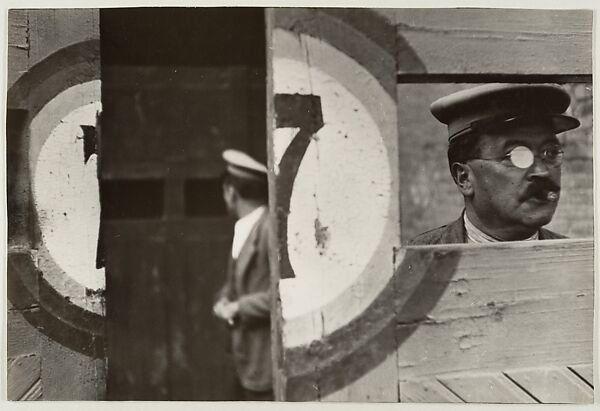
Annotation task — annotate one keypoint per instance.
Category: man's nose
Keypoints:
(539, 169)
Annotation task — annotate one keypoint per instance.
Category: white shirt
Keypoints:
(242, 230)
(475, 235)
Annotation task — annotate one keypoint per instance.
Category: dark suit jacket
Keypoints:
(454, 233)
(248, 283)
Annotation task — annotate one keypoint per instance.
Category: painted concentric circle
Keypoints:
(58, 94)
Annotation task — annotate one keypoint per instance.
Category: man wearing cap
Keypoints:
(505, 159)
(244, 301)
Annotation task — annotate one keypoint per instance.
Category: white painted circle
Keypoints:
(66, 192)
(339, 204)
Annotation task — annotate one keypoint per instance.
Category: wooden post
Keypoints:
(55, 323)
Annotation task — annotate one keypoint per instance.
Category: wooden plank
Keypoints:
(35, 393)
(69, 375)
(456, 41)
(533, 22)
(553, 385)
(22, 374)
(585, 371)
(138, 148)
(22, 338)
(54, 29)
(20, 233)
(277, 348)
(22, 281)
(378, 385)
(495, 388)
(198, 340)
(426, 390)
(137, 320)
(17, 61)
(17, 27)
(18, 44)
(498, 316)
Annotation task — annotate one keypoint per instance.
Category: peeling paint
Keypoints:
(321, 236)
(468, 341)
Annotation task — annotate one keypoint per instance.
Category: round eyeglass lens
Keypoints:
(521, 157)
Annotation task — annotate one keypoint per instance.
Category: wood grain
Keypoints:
(42, 367)
(138, 352)
(493, 387)
(495, 315)
(584, 371)
(455, 41)
(490, 317)
(553, 385)
(53, 29)
(426, 390)
(22, 374)
(18, 45)
(35, 393)
(69, 375)
(378, 385)
(22, 338)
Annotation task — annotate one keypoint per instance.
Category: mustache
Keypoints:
(541, 187)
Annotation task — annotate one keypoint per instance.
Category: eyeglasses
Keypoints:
(523, 157)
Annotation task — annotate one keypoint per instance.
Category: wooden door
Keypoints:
(178, 87)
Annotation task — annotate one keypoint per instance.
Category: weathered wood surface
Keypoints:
(333, 87)
(53, 29)
(167, 115)
(461, 316)
(380, 329)
(585, 372)
(495, 41)
(23, 373)
(426, 390)
(52, 354)
(537, 310)
(22, 337)
(18, 45)
(553, 385)
(491, 388)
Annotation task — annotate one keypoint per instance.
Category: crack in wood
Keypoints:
(472, 33)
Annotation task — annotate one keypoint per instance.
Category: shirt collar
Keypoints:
(475, 235)
(242, 229)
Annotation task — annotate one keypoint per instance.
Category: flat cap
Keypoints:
(242, 165)
(495, 103)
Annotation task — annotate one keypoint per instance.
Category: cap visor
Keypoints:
(563, 123)
(246, 173)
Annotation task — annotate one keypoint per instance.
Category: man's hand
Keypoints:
(226, 310)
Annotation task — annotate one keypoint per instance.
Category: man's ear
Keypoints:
(462, 175)
(229, 192)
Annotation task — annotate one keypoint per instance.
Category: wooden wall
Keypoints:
(179, 86)
(55, 323)
(355, 312)
(361, 318)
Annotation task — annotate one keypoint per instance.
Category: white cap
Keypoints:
(242, 165)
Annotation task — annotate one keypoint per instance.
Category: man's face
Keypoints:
(506, 196)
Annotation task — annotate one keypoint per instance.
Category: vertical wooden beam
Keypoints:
(277, 349)
(48, 49)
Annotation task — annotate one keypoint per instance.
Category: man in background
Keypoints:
(244, 301)
(505, 160)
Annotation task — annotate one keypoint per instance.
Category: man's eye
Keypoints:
(553, 152)
(521, 157)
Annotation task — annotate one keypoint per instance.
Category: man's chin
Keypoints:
(538, 216)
